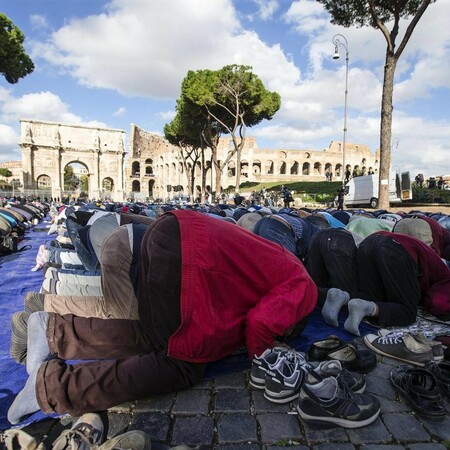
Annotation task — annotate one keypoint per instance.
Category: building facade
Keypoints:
(48, 147)
(155, 168)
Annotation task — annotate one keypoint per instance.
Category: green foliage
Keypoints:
(425, 195)
(357, 12)
(14, 62)
(4, 172)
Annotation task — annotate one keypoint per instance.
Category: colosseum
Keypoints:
(155, 168)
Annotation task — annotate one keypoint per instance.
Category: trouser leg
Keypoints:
(331, 261)
(72, 337)
(94, 386)
(389, 277)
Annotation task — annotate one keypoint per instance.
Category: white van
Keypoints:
(363, 191)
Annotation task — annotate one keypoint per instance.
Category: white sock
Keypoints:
(26, 401)
(335, 300)
(357, 310)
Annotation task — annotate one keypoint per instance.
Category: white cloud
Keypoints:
(119, 112)
(167, 115)
(266, 8)
(39, 22)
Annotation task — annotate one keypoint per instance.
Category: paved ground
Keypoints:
(225, 413)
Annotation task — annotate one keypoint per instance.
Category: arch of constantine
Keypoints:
(48, 147)
(156, 169)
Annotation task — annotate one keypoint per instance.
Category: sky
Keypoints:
(114, 63)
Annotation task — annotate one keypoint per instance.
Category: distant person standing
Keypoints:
(341, 192)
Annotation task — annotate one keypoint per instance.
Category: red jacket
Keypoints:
(434, 278)
(236, 289)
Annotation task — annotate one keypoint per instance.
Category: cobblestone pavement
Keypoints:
(225, 413)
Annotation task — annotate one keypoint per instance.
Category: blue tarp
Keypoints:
(16, 279)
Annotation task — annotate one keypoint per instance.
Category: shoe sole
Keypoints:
(276, 397)
(377, 350)
(345, 423)
(257, 383)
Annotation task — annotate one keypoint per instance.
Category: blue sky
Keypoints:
(113, 63)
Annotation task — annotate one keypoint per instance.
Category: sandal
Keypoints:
(441, 372)
(420, 390)
(16, 438)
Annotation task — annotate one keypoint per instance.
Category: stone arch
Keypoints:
(282, 155)
(268, 167)
(317, 168)
(148, 170)
(338, 170)
(231, 169)
(151, 185)
(44, 182)
(256, 167)
(244, 168)
(136, 186)
(107, 187)
(306, 168)
(135, 169)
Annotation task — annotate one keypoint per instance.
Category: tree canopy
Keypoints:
(4, 172)
(14, 62)
(224, 101)
(382, 14)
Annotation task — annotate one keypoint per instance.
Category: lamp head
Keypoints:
(336, 52)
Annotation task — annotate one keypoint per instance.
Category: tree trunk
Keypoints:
(238, 168)
(386, 130)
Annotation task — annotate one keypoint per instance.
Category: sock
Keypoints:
(357, 310)
(38, 350)
(336, 299)
(26, 401)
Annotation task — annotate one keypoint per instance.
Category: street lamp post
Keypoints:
(339, 40)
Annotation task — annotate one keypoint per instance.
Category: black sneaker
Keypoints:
(333, 368)
(283, 382)
(400, 346)
(268, 360)
(329, 402)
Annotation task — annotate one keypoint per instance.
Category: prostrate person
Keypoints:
(395, 274)
(203, 292)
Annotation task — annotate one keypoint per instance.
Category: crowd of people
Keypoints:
(190, 284)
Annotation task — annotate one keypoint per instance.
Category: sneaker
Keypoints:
(283, 383)
(355, 381)
(268, 360)
(329, 402)
(19, 336)
(436, 347)
(85, 433)
(132, 440)
(400, 346)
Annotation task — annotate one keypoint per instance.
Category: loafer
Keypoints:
(318, 351)
(354, 359)
(420, 390)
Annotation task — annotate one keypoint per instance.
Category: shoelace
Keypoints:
(391, 339)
